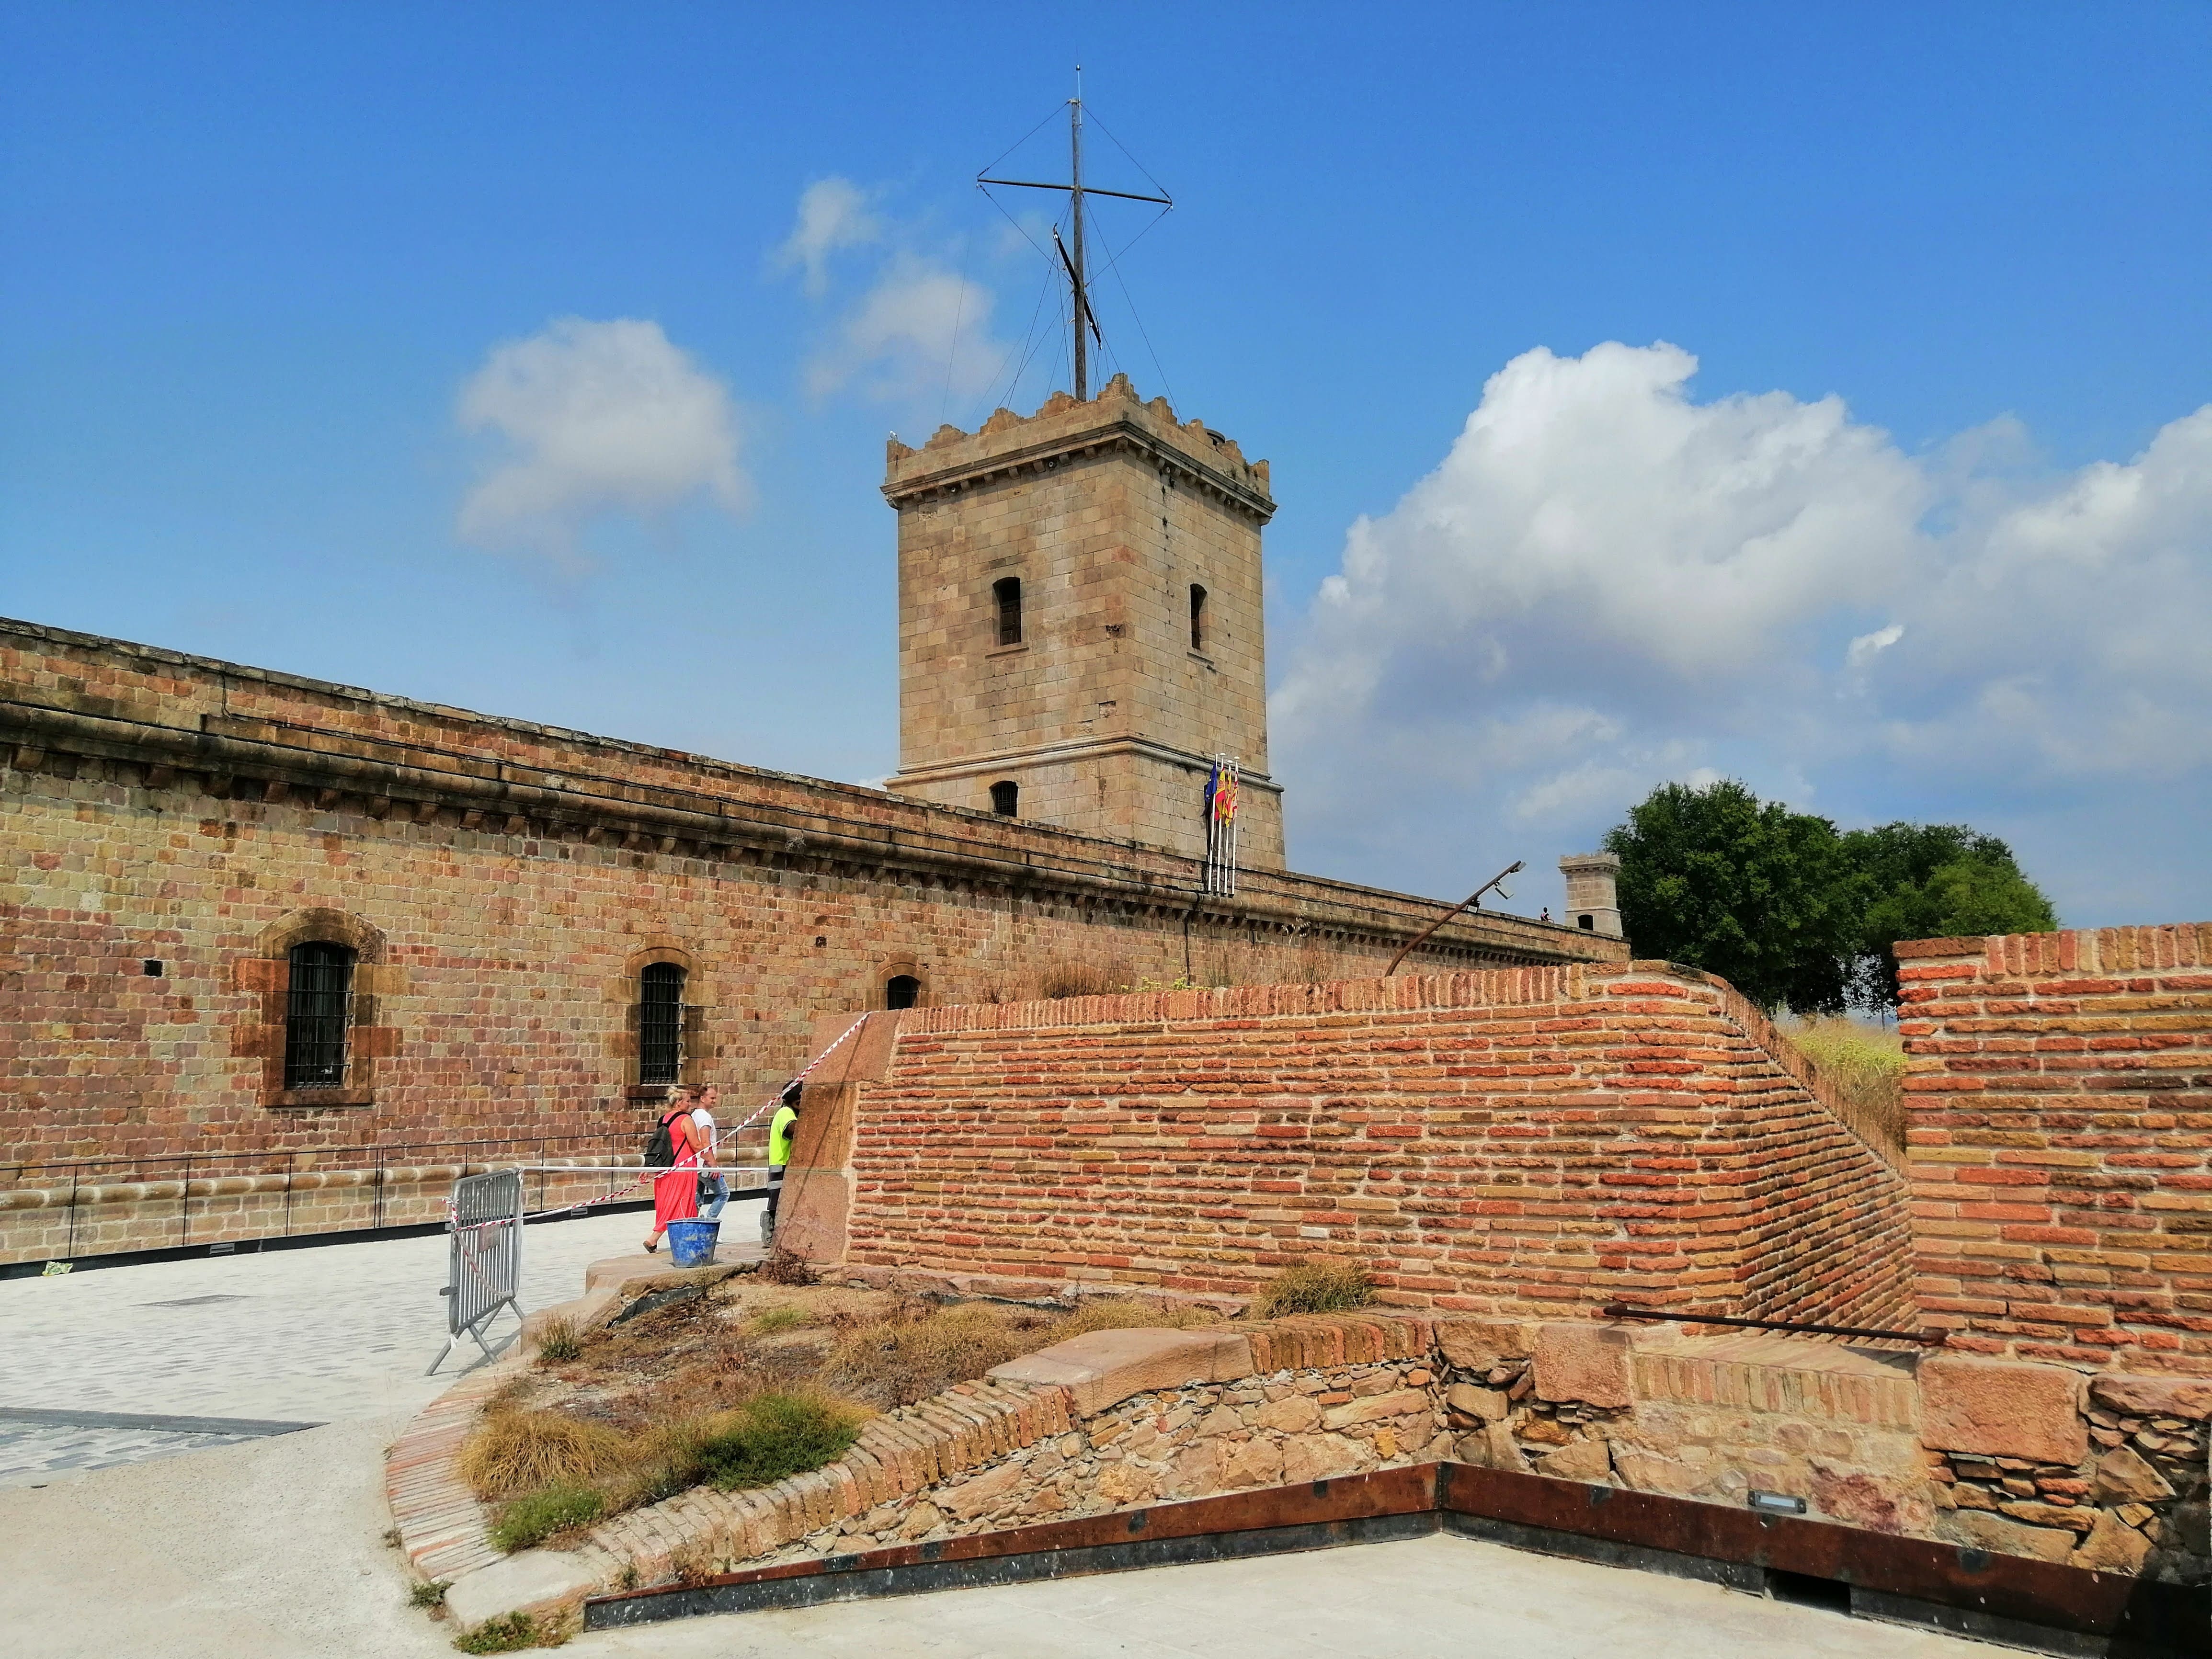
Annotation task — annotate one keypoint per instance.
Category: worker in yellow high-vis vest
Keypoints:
(782, 1128)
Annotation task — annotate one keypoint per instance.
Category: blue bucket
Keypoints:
(691, 1243)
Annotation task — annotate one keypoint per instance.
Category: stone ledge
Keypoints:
(1103, 1369)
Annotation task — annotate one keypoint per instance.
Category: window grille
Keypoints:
(661, 1023)
(1197, 618)
(318, 1008)
(901, 991)
(1006, 798)
(1008, 593)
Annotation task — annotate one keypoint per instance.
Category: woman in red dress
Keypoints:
(676, 1194)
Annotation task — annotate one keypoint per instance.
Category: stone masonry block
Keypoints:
(1999, 1409)
(1104, 1368)
(1479, 1344)
(1584, 1361)
(2154, 1396)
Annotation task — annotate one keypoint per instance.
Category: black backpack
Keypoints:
(660, 1145)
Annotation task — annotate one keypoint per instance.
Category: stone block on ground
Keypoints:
(541, 1583)
(2000, 1409)
(1583, 1361)
(1103, 1368)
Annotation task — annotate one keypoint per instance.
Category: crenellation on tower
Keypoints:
(1080, 623)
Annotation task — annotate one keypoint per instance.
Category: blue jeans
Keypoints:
(720, 1185)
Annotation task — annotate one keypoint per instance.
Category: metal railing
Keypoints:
(192, 1175)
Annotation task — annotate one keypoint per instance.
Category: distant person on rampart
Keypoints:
(714, 1185)
(674, 1147)
(780, 1129)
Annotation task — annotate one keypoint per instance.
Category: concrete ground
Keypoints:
(272, 1548)
(335, 1333)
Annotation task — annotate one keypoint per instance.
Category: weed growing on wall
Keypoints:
(510, 1632)
(1314, 1287)
(1865, 1064)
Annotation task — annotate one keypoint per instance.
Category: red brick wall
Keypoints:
(1540, 1139)
(2059, 1105)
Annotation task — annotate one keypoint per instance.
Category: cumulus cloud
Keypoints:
(595, 417)
(918, 331)
(898, 340)
(833, 214)
(1608, 583)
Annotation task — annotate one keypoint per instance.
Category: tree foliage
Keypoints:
(1718, 879)
(1934, 881)
(1793, 913)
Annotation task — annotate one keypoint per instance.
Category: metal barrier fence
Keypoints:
(485, 1259)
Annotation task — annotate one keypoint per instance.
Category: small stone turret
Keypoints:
(1593, 895)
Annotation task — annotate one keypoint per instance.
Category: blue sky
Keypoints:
(1805, 394)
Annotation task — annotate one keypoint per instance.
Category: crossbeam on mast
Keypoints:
(1083, 319)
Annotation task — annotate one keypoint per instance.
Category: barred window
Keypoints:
(319, 1006)
(1008, 593)
(661, 1023)
(901, 991)
(1197, 618)
(1006, 799)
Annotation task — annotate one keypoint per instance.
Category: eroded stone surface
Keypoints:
(1983, 1530)
(2154, 1396)
(2123, 1477)
(2113, 1546)
(1584, 1361)
(2001, 1409)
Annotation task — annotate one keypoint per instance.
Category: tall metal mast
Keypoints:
(1081, 271)
(1072, 262)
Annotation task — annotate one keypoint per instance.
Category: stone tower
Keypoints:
(1079, 621)
(1593, 891)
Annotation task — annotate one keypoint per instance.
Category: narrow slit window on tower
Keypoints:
(1197, 618)
(1006, 799)
(661, 1023)
(1008, 591)
(901, 991)
(318, 1007)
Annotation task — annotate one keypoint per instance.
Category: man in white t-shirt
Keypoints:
(713, 1186)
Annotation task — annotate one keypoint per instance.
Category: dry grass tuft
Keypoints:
(520, 1451)
(1314, 1287)
(782, 1267)
(903, 1361)
(1865, 1064)
(558, 1342)
(1070, 977)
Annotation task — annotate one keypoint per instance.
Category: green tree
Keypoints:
(1934, 881)
(1751, 891)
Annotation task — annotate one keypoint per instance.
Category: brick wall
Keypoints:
(504, 884)
(1517, 1141)
(2059, 1109)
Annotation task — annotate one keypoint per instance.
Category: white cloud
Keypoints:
(833, 214)
(898, 340)
(598, 417)
(1756, 586)
(1865, 648)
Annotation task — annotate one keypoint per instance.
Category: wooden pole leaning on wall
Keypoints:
(1470, 901)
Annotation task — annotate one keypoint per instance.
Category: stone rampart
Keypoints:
(2059, 1110)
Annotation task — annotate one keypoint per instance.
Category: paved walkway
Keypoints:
(335, 1333)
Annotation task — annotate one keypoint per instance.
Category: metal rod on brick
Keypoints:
(1925, 1339)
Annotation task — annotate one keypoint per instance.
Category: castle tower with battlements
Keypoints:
(1080, 622)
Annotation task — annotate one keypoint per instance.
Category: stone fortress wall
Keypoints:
(503, 884)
